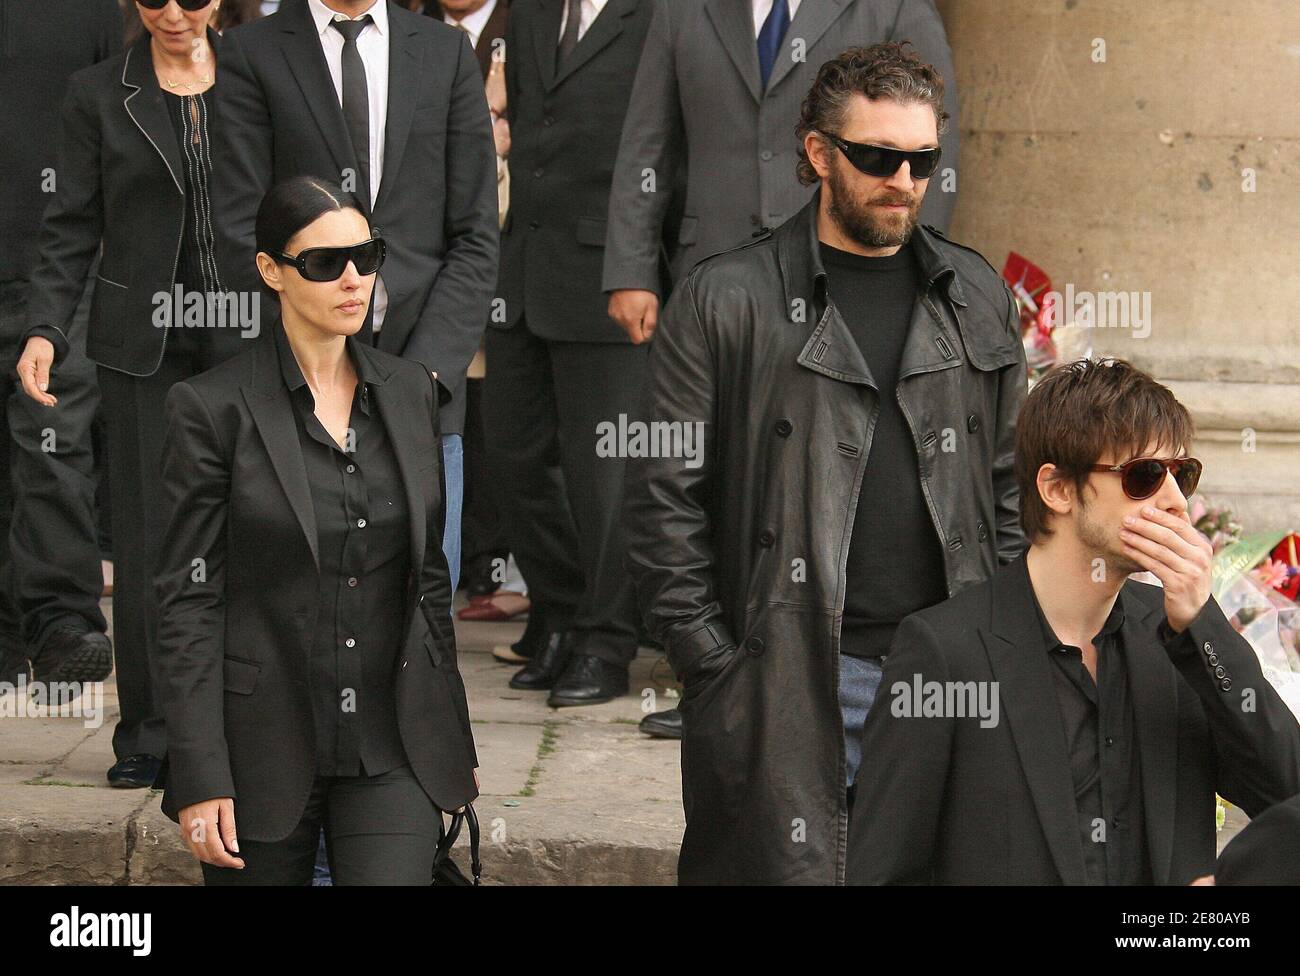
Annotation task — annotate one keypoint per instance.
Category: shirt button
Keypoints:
(361, 523)
(1110, 741)
(352, 581)
(351, 468)
(765, 155)
(350, 642)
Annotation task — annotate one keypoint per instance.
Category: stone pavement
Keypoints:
(570, 796)
(575, 795)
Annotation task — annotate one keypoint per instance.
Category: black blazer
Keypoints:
(437, 205)
(564, 132)
(944, 800)
(120, 182)
(235, 628)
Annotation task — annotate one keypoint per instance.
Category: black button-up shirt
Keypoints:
(1100, 740)
(363, 539)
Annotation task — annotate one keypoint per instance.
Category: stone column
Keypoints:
(1154, 148)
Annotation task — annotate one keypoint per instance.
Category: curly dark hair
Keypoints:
(885, 70)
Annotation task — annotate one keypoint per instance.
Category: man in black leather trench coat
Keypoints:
(750, 556)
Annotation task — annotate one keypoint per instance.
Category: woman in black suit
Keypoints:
(133, 177)
(301, 688)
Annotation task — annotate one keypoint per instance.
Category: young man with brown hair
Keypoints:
(1116, 708)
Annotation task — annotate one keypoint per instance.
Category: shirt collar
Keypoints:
(292, 372)
(1051, 642)
(475, 22)
(322, 15)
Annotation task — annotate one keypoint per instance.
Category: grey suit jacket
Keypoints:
(697, 102)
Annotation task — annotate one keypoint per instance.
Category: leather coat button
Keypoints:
(784, 427)
(954, 543)
(972, 423)
(754, 646)
(766, 538)
(982, 532)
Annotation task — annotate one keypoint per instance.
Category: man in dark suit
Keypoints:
(390, 104)
(50, 574)
(482, 531)
(1062, 723)
(557, 367)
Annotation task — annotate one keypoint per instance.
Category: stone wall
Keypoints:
(1154, 148)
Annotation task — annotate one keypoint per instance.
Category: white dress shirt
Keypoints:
(588, 12)
(372, 45)
(473, 23)
(764, 7)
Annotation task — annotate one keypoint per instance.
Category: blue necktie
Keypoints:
(770, 37)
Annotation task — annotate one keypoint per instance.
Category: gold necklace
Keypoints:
(189, 85)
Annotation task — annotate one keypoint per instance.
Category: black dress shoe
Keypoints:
(588, 680)
(134, 772)
(75, 655)
(663, 725)
(546, 664)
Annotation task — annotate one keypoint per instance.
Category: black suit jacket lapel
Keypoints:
(546, 39)
(1155, 715)
(306, 60)
(607, 26)
(1027, 696)
(268, 402)
(404, 71)
(399, 414)
(144, 104)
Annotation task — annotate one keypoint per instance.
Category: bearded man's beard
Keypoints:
(859, 222)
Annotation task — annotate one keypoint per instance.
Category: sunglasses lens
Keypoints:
(324, 263)
(1143, 478)
(1188, 476)
(875, 160)
(368, 257)
(924, 163)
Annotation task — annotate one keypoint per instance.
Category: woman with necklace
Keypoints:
(132, 180)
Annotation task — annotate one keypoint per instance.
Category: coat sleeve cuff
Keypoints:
(56, 337)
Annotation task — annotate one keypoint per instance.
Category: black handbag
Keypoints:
(445, 870)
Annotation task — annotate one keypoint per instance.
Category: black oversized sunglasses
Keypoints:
(184, 4)
(1142, 477)
(883, 161)
(329, 263)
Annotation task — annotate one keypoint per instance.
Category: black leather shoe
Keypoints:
(134, 772)
(74, 654)
(663, 725)
(588, 680)
(546, 664)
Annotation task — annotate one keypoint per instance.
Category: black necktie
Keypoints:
(569, 40)
(356, 102)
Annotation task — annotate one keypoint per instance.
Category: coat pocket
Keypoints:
(240, 677)
(590, 230)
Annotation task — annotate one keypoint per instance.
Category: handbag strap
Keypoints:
(450, 835)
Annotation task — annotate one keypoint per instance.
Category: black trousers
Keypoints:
(379, 830)
(543, 402)
(482, 528)
(133, 412)
(50, 571)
